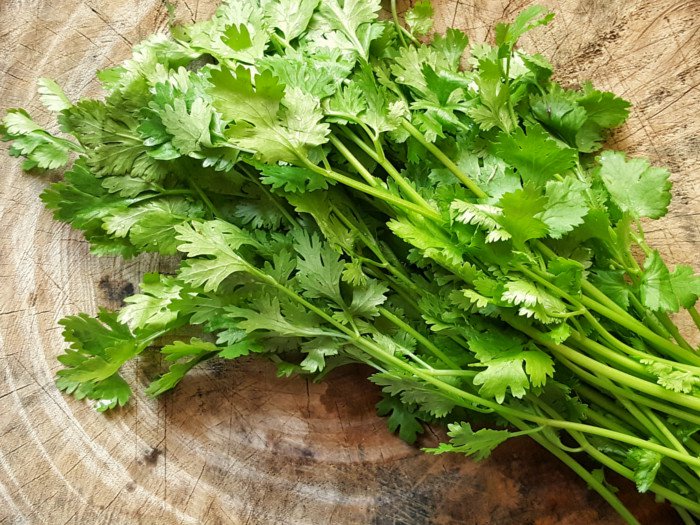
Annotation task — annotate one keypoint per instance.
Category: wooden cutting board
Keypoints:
(234, 444)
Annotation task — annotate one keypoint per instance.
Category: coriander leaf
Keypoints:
(656, 287)
(193, 352)
(267, 315)
(450, 47)
(292, 179)
(535, 155)
(316, 352)
(667, 376)
(151, 225)
(645, 464)
(352, 21)
(218, 240)
(40, 148)
(319, 267)
(527, 19)
(111, 140)
(602, 107)
(494, 97)
(98, 348)
(519, 215)
(558, 111)
(153, 307)
(52, 96)
(413, 391)
(634, 186)
(464, 440)
(291, 17)
(419, 18)
(401, 417)
(612, 283)
(538, 367)
(566, 206)
(686, 285)
(367, 299)
(189, 127)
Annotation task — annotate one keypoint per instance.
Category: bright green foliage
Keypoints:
(478, 444)
(645, 464)
(536, 156)
(634, 186)
(401, 418)
(338, 192)
(419, 18)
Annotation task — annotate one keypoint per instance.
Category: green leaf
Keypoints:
(527, 19)
(536, 156)
(52, 96)
(634, 186)
(193, 352)
(612, 283)
(153, 307)
(401, 418)
(218, 240)
(320, 267)
(671, 378)
(602, 107)
(520, 212)
(292, 179)
(291, 17)
(316, 352)
(686, 285)
(414, 392)
(189, 127)
(419, 18)
(566, 206)
(646, 464)
(151, 225)
(656, 287)
(99, 346)
(41, 149)
(464, 440)
(351, 22)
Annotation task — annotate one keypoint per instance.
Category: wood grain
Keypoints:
(234, 444)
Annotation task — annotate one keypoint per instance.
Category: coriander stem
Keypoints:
(584, 474)
(457, 393)
(374, 192)
(418, 337)
(467, 181)
(205, 198)
(608, 386)
(595, 366)
(632, 324)
(694, 315)
(389, 168)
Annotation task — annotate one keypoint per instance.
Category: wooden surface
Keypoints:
(233, 444)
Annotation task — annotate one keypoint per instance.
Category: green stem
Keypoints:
(374, 192)
(418, 337)
(610, 463)
(599, 368)
(673, 330)
(635, 326)
(621, 392)
(584, 474)
(399, 27)
(613, 465)
(205, 198)
(389, 168)
(432, 148)
(694, 315)
(371, 179)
